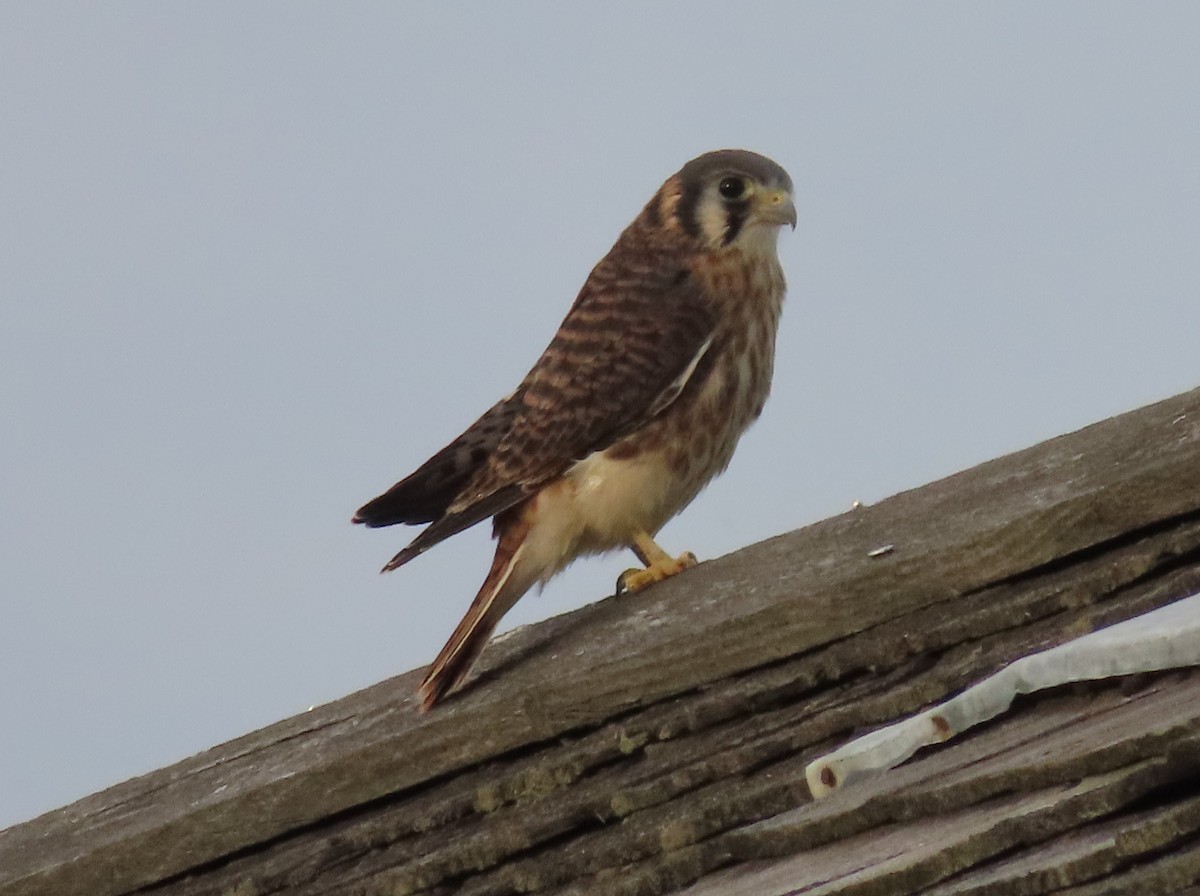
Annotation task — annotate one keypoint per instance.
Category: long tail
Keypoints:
(500, 590)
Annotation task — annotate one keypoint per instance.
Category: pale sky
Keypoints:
(260, 260)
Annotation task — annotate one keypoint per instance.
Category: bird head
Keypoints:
(732, 197)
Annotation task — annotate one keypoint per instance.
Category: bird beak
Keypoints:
(776, 207)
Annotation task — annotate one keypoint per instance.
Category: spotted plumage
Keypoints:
(661, 363)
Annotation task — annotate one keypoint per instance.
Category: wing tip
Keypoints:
(375, 514)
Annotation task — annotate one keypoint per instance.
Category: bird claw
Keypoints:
(633, 580)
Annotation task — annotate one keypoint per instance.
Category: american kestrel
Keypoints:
(663, 361)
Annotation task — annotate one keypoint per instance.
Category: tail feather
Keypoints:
(501, 589)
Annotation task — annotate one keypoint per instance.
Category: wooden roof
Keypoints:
(655, 742)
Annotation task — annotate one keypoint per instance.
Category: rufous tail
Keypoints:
(501, 589)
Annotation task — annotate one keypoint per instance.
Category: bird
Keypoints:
(661, 363)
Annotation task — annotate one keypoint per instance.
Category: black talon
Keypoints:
(622, 587)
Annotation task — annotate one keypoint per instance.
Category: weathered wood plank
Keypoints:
(894, 859)
(1091, 853)
(598, 717)
(1061, 740)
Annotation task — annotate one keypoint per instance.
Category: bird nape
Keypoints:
(662, 362)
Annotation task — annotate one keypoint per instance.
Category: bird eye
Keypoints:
(732, 188)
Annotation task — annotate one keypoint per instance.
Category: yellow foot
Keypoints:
(632, 580)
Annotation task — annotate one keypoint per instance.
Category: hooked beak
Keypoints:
(776, 207)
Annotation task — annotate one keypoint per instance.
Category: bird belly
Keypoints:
(603, 501)
(597, 506)
(617, 497)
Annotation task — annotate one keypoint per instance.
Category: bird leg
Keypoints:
(659, 565)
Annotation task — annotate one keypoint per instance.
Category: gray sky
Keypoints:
(259, 261)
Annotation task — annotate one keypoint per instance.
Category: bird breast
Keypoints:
(641, 481)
